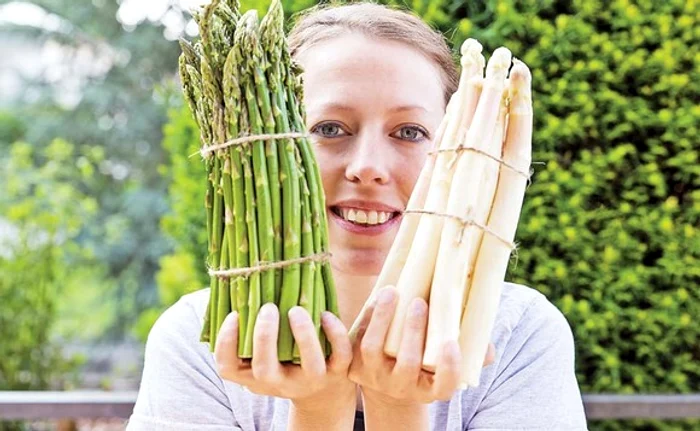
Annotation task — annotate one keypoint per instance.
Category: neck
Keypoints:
(353, 290)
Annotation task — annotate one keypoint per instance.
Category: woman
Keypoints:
(376, 84)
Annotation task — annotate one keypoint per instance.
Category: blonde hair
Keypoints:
(321, 23)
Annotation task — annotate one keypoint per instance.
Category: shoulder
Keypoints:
(176, 332)
(531, 337)
(533, 373)
(180, 387)
(185, 314)
(518, 300)
(179, 328)
(524, 312)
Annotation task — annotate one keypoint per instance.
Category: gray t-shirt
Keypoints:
(530, 386)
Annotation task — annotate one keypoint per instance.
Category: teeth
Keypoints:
(365, 217)
(372, 217)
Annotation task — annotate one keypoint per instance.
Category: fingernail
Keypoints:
(327, 317)
(295, 315)
(417, 308)
(267, 312)
(230, 321)
(385, 296)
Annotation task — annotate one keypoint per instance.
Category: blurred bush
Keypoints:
(88, 77)
(181, 271)
(52, 287)
(609, 230)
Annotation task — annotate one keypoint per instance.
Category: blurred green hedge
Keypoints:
(51, 284)
(610, 230)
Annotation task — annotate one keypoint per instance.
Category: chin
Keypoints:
(362, 262)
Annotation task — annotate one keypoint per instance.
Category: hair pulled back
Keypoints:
(324, 22)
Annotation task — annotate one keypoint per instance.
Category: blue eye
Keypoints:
(329, 130)
(411, 134)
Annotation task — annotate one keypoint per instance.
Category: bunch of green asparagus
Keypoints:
(264, 199)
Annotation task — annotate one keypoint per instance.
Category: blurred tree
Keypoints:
(100, 92)
(11, 129)
(181, 271)
(52, 287)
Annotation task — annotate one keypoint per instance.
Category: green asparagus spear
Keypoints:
(260, 63)
(262, 184)
(308, 269)
(254, 286)
(272, 38)
(232, 100)
(224, 300)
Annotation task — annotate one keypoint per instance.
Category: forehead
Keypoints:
(355, 69)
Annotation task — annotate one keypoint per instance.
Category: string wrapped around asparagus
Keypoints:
(245, 94)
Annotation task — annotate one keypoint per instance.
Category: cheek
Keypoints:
(329, 168)
(407, 173)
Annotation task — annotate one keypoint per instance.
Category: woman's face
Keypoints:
(372, 107)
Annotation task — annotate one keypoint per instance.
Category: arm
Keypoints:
(535, 385)
(180, 389)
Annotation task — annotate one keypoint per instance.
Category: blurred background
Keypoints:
(101, 211)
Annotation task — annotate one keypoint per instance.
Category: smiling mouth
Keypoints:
(364, 217)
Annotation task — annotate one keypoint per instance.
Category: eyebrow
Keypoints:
(341, 107)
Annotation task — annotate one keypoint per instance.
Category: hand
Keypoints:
(402, 380)
(309, 386)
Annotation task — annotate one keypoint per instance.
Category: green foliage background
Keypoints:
(46, 272)
(119, 111)
(609, 230)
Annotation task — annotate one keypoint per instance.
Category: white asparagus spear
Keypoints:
(416, 274)
(471, 197)
(492, 261)
(498, 140)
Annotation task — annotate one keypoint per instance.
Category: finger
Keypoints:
(372, 344)
(266, 366)
(229, 365)
(312, 360)
(341, 348)
(410, 357)
(447, 374)
(226, 346)
(364, 323)
(362, 317)
(490, 355)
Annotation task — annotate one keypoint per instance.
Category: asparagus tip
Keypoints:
(471, 55)
(499, 63)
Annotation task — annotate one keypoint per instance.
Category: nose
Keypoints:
(369, 160)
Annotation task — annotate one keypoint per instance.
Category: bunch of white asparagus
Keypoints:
(454, 243)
